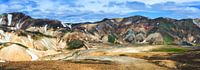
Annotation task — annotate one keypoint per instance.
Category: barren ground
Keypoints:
(189, 60)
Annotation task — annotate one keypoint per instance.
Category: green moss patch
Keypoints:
(10, 43)
(171, 49)
(111, 38)
(75, 44)
(166, 26)
(168, 40)
(35, 35)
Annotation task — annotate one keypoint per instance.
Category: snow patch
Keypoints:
(9, 19)
(1, 19)
(63, 24)
(45, 28)
(69, 25)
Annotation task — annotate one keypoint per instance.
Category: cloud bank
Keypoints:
(94, 10)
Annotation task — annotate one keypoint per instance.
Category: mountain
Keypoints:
(134, 29)
(19, 20)
(172, 31)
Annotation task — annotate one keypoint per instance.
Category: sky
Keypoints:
(96, 10)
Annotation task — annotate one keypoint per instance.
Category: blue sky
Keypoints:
(95, 10)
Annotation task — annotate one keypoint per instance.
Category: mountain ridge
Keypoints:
(129, 29)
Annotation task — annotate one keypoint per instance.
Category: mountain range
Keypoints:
(133, 29)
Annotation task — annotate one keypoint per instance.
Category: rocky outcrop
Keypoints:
(130, 36)
(155, 38)
(140, 37)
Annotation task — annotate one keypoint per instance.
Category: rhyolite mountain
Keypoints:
(19, 20)
(134, 29)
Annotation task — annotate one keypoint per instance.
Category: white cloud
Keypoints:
(78, 9)
(158, 1)
(143, 1)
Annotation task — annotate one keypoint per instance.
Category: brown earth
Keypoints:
(71, 65)
(55, 65)
(165, 60)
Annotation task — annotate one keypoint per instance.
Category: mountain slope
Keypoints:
(134, 29)
(173, 31)
(17, 20)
